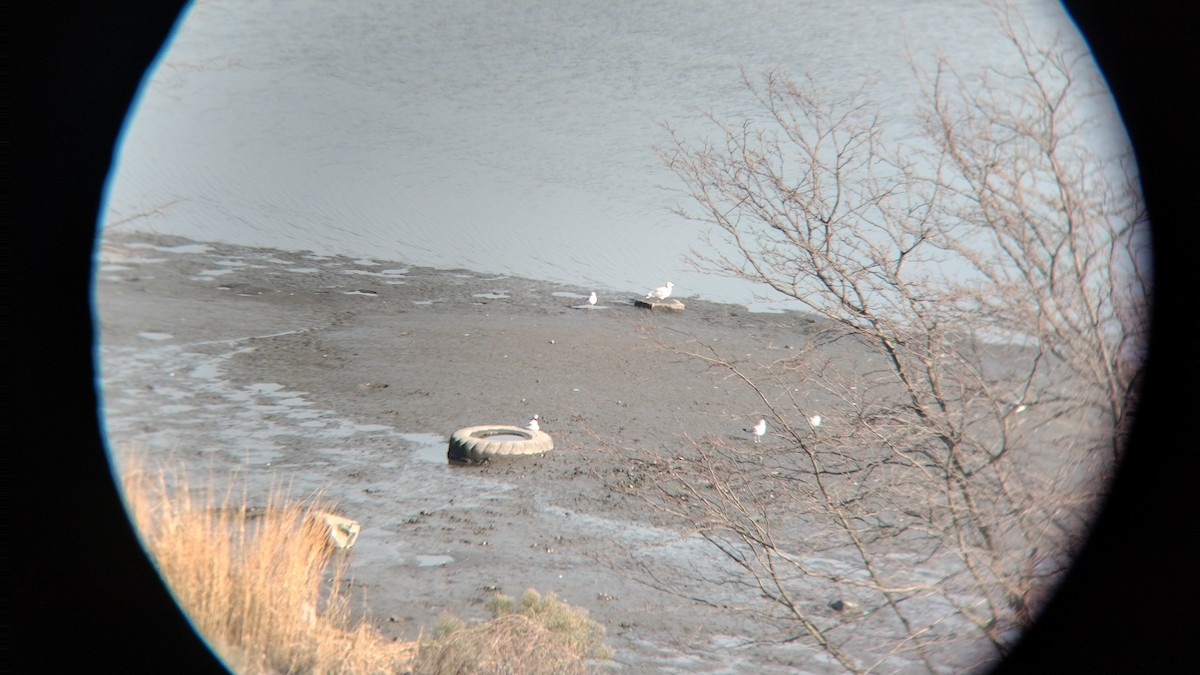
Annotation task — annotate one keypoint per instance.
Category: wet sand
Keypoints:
(348, 376)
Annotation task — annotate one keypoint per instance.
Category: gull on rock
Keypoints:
(758, 429)
(662, 292)
(532, 424)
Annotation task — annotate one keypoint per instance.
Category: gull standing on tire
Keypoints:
(532, 424)
(591, 301)
(662, 292)
(759, 430)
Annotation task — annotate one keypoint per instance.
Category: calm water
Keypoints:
(505, 137)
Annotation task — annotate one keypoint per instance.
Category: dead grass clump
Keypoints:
(261, 586)
(538, 635)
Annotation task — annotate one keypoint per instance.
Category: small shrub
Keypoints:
(538, 635)
(448, 624)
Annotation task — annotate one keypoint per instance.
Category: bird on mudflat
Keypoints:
(591, 301)
(532, 424)
(759, 430)
(662, 292)
(815, 421)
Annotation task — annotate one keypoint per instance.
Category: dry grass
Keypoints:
(262, 586)
(541, 635)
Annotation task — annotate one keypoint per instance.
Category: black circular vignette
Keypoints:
(86, 593)
(86, 597)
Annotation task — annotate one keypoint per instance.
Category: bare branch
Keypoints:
(986, 290)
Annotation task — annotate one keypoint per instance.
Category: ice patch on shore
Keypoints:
(256, 424)
(387, 274)
(208, 274)
(265, 425)
(430, 448)
(433, 560)
(184, 248)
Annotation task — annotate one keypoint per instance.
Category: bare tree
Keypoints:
(985, 285)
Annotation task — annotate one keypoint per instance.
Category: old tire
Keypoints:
(474, 444)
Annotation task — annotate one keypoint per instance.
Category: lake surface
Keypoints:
(510, 138)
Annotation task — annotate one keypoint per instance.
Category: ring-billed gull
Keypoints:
(758, 430)
(532, 424)
(592, 299)
(662, 292)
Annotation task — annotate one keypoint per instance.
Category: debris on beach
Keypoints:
(666, 305)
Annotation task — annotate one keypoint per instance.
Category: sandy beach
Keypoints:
(323, 373)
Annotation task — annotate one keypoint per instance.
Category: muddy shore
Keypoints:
(348, 376)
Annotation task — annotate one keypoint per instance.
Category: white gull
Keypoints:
(758, 430)
(662, 292)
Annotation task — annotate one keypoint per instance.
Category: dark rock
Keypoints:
(666, 305)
